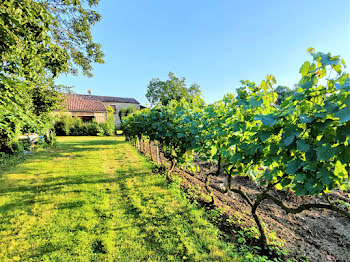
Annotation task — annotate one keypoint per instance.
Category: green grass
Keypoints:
(96, 199)
(119, 132)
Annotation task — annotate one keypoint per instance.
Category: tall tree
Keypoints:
(172, 89)
(39, 40)
(283, 92)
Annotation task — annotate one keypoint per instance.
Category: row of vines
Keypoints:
(301, 145)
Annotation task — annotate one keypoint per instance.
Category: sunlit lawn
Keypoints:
(96, 199)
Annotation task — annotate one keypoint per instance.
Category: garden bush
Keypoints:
(66, 125)
(123, 112)
(63, 125)
(92, 128)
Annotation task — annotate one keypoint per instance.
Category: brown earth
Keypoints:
(319, 235)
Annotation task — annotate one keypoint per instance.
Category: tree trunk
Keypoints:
(170, 172)
(219, 165)
(229, 180)
(207, 186)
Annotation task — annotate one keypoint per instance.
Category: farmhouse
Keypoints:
(89, 107)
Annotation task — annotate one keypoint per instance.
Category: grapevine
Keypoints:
(302, 145)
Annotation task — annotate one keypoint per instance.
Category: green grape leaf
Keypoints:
(289, 134)
(237, 157)
(279, 186)
(264, 135)
(320, 127)
(249, 149)
(309, 184)
(299, 189)
(239, 126)
(344, 156)
(339, 170)
(325, 152)
(302, 146)
(331, 107)
(285, 182)
(311, 166)
(299, 96)
(234, 140)
(180, 135)
(267, 120)
(289, 140)
(305, 119)
(304, 70)
(326, 59)
(293, 166)
(300, 177)
(316, 188)
(325, 176)
(268, 175)
(346, 85)
(254, 102)
(274, 148)
(343, 115)
(307, 85)
(320, 115)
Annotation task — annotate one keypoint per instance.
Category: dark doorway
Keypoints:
(86, 118)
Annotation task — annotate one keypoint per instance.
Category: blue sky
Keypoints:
(213, 43)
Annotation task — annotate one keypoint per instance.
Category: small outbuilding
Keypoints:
(89, 107)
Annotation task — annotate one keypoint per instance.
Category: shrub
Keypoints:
(67, 125)
(91, 128)
(63, 125)
(109, 126)
(123, 112)
(77, 128)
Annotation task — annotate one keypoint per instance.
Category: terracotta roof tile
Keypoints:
(78, 103)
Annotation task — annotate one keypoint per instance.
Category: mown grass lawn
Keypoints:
(96, 199)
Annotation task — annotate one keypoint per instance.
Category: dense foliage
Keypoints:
(66, 125)
(123, 112)
(40, 39)
(174, 88)
(301, 145)
(283, 92)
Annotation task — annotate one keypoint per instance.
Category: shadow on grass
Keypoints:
(97, 142)
(50, 185)
(72, 180)
(130, 198)
(61, 151)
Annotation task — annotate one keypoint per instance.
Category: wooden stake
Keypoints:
(150, 149)
(157, 152)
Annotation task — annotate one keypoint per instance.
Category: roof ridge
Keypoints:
(108, 98)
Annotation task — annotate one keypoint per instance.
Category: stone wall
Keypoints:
(100, 117)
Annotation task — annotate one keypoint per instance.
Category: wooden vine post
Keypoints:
(157, 147)
(150, 149)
